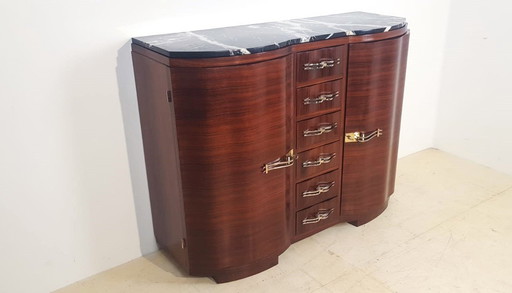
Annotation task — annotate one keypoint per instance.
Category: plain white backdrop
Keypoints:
(73, 195)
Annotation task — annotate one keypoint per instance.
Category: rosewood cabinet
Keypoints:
(258, 136)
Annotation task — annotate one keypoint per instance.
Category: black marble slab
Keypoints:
(256, 38)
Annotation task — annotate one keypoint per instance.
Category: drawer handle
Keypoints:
(362, 136)
(321, 98)
(320, 188)
(322, 214)
(323, 159)
(283, 162)
(320, 130)
(321, 64)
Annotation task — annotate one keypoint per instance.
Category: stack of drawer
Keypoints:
(320, 102)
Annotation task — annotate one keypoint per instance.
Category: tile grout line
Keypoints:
(492, 196)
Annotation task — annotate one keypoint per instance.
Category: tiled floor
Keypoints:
(448, 228)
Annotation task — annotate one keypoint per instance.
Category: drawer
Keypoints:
(319, 98)
(318, 160)
(318, 189)
(319, 130)
(321, 63)
(318, 217)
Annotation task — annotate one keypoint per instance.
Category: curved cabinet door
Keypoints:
(231, 121)
(376, 74)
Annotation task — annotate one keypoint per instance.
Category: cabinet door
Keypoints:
(231, 121)
(376, 73)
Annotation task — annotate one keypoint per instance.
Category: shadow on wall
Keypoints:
(132, 130)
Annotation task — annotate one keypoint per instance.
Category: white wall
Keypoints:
(73, 195)
(475, 111)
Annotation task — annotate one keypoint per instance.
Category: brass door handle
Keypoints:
(320, 188)
(320, 130)
(283, 162)
(362, 136)
(322, 214)
(321, 98)
(323, 159)
(321, 64)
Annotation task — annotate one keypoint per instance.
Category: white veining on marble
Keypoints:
(241, 40)
(244, 51)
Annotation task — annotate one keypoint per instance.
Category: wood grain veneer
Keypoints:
(209, 125)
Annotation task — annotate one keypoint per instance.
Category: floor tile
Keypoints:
(447, 228)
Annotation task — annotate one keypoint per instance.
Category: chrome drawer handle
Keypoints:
(322, 214)
(320, 188)
(321, 98)
(323, 159)
(362, 136)
(283, 162)
(320, 130)
(321, 65)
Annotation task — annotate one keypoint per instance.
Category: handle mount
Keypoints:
(362, 136)
(321, 64)
(322, 214)
(320, 188)
(283, 162)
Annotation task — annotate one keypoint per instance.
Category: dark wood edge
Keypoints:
(264, 56)
(232, 274)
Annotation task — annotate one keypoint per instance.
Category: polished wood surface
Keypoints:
(374, 100)
(210, 125)
(161, 155)
(336, 55)
(230, 122)
(309, 133)
(314, 155)
(303, 201)
(311, 213)
(309, 103)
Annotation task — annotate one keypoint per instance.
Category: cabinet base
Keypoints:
(236, 273)
(369, 216)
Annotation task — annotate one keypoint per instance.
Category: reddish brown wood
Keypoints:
(229, 116)
(161, 155)
(312, 185)
(336, 54)
(307, 108)
(333, 120)
(230, 122)
(304, 173)
(376, 73)
(311, 212)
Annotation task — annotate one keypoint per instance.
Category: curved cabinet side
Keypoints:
(376, 75)
(231, 121)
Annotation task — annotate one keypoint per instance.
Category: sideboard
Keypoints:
(258, 136)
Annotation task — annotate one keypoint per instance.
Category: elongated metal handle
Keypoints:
(320, 188)
(321, 64)
(323, 159)
(283, 162)
(320, 130)
(362, 136)
(321, 98)
(322, 214)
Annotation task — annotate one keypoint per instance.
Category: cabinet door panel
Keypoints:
(376, 73)
(230, 122)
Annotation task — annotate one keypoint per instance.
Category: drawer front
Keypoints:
(316, 161)
(319, 130)
(320, 63)
(318, 189)
(318, 217)
(319, 98)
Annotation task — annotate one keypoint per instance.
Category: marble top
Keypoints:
(256, 38)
